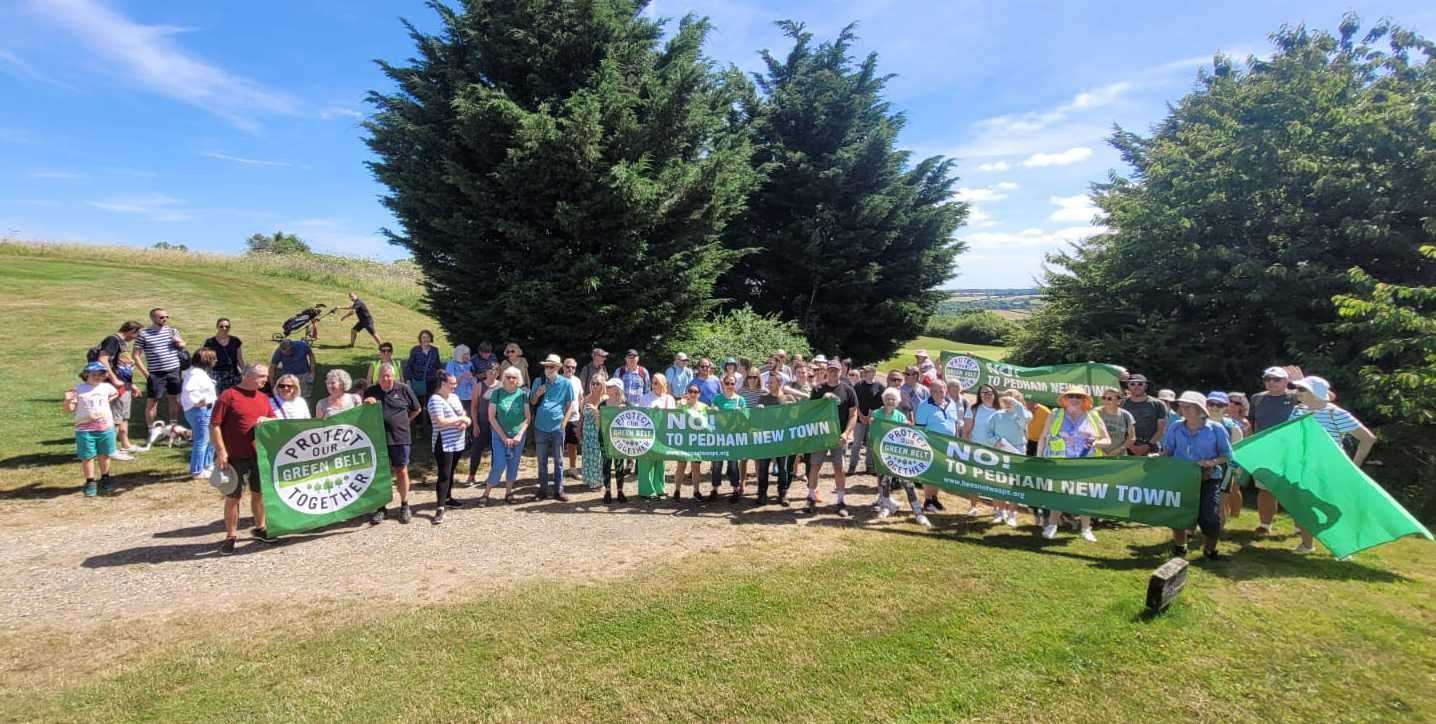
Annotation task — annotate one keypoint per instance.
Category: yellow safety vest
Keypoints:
(1056, 445)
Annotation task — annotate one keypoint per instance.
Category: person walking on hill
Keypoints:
(237, 412)
(1074, 430)
(363, 320)
(94, 426)
(1150, 415)
(400, 406)
(198, 394)
(157, 355)
(228, 355)
(1204, 441)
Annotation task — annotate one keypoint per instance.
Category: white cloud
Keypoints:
(53, 174)
(995, 192)
(1078, 208)
(151, 58)
(978, 218)
(1061, 158)
(333, 112)
(245, 161)
(156, 207)
(1031, 238)
(22, 69)
(994, 166)
(1024, 133)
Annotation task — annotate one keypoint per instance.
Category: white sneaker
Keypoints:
(1303, 548)
(889, 505)
(922, 520)
(121, 455)
(1049, 531)
(998, 516)
(883, 512)
(1011, 519)
(1087, 535)
(972, 512)
(132, 448)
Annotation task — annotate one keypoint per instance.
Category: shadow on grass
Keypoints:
(34, 460)
(182, 552)
(121, 484)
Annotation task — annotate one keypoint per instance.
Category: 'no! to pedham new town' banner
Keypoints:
(317, 472)
(1041, 384)
(1154, 491)
(757, 433)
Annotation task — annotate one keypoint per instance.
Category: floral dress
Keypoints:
(592, 448)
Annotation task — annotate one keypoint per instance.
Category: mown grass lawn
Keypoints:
(893, 624)
(935, 346)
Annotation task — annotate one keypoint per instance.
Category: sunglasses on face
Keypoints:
(754, 377)
(1136, 384)
(224, 326)
(286, 387)
(705, 367)
(570, 367)
(729, 383)
(693, 392)
(909, 374)
(1110, 399)
(163, 316)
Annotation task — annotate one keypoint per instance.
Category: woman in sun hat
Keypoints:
(1204, 441)
(1074, 430)
(1313, 396)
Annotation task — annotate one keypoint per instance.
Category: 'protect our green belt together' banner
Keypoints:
(1041, 384)
(317, 472)
(750, 434)
(1153, 491)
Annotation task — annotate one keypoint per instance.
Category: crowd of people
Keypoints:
(479, 403)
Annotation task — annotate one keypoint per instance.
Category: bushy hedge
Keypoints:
(973, 328)
(740, 333)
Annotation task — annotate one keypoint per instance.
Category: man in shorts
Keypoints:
(400, 406)
(847, 399)
(1269, 408)
(363, 320)
(237, 412)
(157, 355)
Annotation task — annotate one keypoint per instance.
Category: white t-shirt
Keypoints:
(92, 406)
(198, 389)
(661, 402)
(295, 409)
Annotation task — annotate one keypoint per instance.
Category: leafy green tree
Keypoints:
(1246, 208)
(842, 236)
(981, 327)
(166, 246)
(741, 333)
(276, 243)
(1401, 378)
(560, 174)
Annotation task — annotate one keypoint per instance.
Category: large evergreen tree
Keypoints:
(1245, 210)
(560, 174)
(842, 236)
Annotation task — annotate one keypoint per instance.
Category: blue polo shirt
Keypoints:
(940, 419)
(678, 379)
(294, 363)
(1209, 441)
(548, 415)
(707, 389)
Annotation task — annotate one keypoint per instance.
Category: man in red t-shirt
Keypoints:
(236, 413)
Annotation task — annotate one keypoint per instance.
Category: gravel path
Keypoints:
(152, 550)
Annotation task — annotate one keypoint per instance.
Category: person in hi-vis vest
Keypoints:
(1074, 430)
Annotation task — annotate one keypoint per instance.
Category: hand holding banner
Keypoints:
(317, 472)
(1040, 384)
(756, 433)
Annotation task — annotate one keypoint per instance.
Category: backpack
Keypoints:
(93, 354)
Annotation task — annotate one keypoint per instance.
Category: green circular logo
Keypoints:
(632, 433)
(905, 451)
(325, 469)
(966, 370)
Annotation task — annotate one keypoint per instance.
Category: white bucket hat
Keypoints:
(1317, 386)
(224, 479)
(1193, 397)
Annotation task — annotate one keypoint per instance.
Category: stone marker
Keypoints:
(1165, 584)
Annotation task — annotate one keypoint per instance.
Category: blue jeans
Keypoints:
(549, 445)
(505, 459)
(201, 455)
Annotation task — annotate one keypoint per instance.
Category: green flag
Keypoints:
(1322, 489)
(1154, 491)
(757, 433)
(1039, 384)
(317, 472)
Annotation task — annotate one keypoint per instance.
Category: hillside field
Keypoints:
(117, 608)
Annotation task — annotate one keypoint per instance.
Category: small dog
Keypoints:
(170, 431)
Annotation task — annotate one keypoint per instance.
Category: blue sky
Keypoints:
(201, 123)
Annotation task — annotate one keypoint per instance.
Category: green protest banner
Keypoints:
(317, 472)
(750, 434)
(1040, 384)
(1153, 491)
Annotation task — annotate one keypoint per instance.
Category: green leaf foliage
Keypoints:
(1247, 206)
(1400, 322)
(741, 333)
(562, 175)
(276, 243)
(842, 236)
(972, 328)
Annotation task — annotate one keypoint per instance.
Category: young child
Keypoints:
(94, 425)
(120, 408)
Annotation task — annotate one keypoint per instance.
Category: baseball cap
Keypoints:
(599, 352)
(631, 353)
(1317, 386)
(1137, 378)
(1220, 398)
(92, 368)
(614, 382)
(835, 365)
(1276, 372)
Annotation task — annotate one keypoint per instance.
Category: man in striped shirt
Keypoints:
(157, 356)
